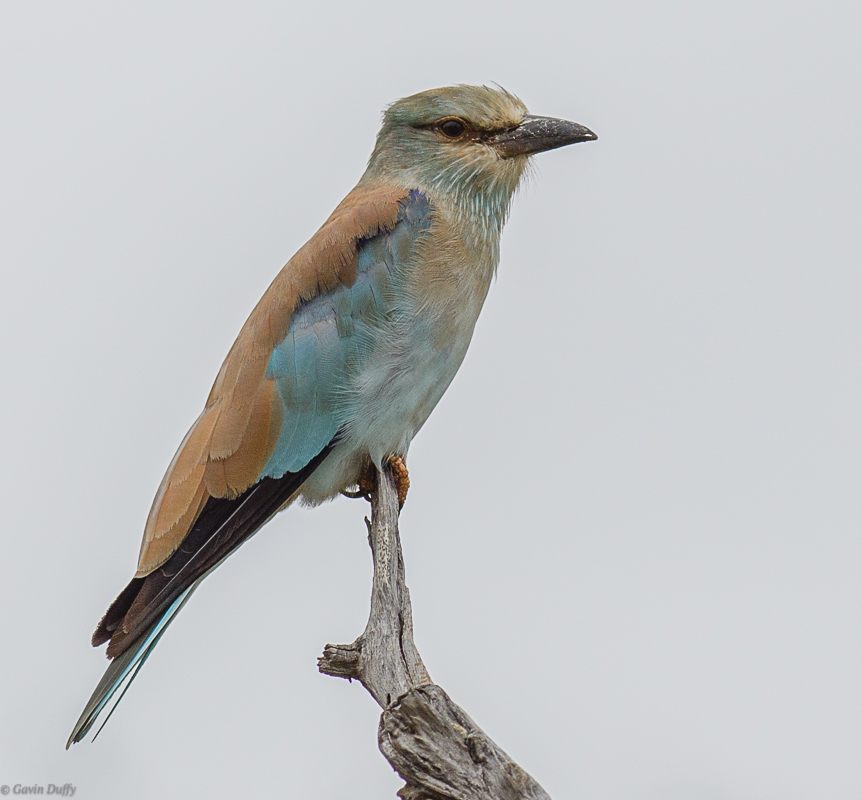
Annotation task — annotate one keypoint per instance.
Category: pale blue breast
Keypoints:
(330, 339)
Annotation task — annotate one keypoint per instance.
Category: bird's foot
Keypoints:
(402, 478)
(365, 485)
(368, 480)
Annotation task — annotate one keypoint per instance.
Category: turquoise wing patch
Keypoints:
(331, 336)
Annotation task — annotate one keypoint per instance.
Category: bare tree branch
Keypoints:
(430, 741)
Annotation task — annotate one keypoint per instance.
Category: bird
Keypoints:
(344, 357)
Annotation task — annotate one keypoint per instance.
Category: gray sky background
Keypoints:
(633, 534)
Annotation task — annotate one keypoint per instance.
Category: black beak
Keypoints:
(537, 134)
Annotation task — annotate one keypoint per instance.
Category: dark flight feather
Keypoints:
(147, 605)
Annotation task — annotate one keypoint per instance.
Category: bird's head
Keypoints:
(470, 143)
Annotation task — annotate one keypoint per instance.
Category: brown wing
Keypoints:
(212, 499)
(225, 451)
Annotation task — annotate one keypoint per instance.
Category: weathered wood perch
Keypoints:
(429, 740)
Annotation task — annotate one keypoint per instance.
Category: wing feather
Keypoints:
(273, 415)
(233, 441)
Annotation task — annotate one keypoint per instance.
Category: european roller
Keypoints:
(344, 357)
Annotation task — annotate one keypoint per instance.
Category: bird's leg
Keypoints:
(402, 478)
(365, 485)
(368, 480)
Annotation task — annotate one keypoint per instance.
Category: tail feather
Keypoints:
(123, 670)
(139, 616)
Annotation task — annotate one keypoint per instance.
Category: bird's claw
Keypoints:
(402, 478)
(365, 485)
(367, 481)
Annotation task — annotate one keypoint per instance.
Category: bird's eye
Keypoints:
(452, 128)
